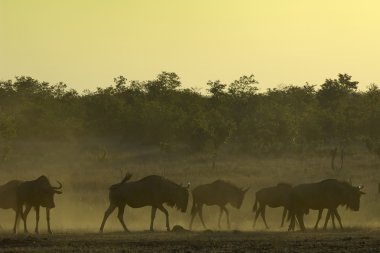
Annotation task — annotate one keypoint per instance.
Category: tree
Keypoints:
(158, 112)
(216, 88)
(337, 99)
(371, 111)
(7, 126)
(244, 86)
(241, 98)
(165, 82)
(332, 90)
(120, 82)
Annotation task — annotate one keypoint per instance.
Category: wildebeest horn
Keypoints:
(59, 187)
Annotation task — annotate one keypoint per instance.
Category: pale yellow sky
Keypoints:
(86, 43)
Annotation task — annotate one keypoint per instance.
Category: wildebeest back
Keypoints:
(151, 190)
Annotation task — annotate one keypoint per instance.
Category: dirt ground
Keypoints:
(350, 240)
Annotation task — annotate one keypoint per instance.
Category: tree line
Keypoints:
(162, 113)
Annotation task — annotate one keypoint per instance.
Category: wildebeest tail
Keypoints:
(125, 179)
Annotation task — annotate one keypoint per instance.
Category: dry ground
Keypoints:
(352, 240)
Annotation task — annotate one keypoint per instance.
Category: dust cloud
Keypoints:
(87, 169)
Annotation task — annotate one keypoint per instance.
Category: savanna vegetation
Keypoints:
(252, 138)
(160, 113)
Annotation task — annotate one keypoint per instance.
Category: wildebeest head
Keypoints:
(184, 201)
(183, 198)
(46, 192)
(239, 196)
(353, 195)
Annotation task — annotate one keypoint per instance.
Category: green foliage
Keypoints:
(334, 90)
(165, 82)
(243, 87)
(216, 88)
(7, 126)
(158, 112)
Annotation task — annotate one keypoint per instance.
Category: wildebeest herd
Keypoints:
(155, 191)
(36, 193)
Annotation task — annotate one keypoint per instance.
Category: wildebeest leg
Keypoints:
(338, 218)
(192, 218)
(120, 216)
(333, 218)
(228, 217)
(330, 214)
(300, 221)
(292, 221)
(200, 212)
(292, 224)
(106, 214)
(256, 216)
(318, 219)
(48, 219)
(220, 216)
(262, 210)
(162, 209)
(327, 219)
(24, 216)
(37, 218)
(283, 216)
(27, 210)
(152, 216)
(16, 218)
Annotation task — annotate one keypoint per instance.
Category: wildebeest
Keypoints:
(36, 193)
(327, 194)
(8, 196)
(217, 193)
(151, 191)
(276, 196)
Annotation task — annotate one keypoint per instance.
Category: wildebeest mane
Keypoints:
(174, 193)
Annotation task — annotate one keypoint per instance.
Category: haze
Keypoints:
(87, 43)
